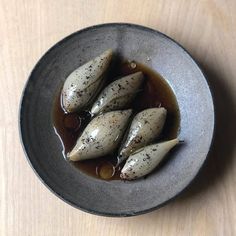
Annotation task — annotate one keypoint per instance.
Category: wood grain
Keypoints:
(207, 28)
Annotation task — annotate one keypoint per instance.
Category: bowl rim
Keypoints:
(20, 117)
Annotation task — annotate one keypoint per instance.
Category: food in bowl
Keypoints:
(83, 83)
(117, 120)
(145, 127)
(101, 136)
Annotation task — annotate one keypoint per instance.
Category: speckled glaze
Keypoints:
(101, 136)
(83, 83)
(145, 127)
(118, 94)
(146, 159)
(43, 148)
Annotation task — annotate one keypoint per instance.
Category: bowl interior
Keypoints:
(44, 149)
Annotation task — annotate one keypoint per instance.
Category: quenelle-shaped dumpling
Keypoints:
(101, 136)
(145, 128)
(118, 94)
(82, 85)
(146, 159)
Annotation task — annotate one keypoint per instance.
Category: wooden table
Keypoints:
(207, 28)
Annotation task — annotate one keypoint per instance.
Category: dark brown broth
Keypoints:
(155, 92)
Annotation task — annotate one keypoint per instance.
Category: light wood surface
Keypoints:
(207, 28)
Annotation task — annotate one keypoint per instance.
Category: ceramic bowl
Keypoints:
(117, 198)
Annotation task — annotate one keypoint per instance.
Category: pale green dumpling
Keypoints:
(82, 85)
(118, 94)
(101, 136)
(145, 160)
(145, 128)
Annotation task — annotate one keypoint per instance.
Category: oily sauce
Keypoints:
(155, 93)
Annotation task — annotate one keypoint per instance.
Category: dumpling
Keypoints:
(101, 136)
(145, 127)
(146, 159)
(81, 85)
(118, 94)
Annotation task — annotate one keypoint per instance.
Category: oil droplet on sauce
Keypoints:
(105, 171)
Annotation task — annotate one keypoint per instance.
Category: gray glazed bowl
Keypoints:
(117, 198)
